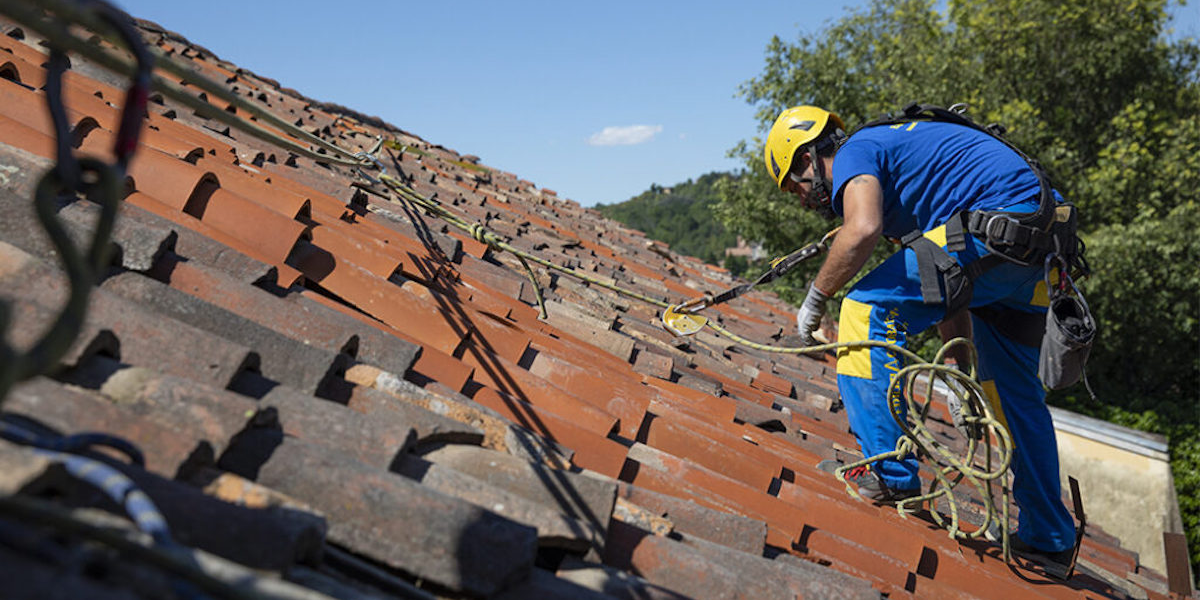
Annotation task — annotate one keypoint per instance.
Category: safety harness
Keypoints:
(1047, 236)
(1022, 238)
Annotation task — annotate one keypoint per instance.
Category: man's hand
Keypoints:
(808, 318)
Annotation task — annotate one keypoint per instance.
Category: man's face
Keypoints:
(804, 189)
(803, 170)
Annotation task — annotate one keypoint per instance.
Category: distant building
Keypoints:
(750, 251)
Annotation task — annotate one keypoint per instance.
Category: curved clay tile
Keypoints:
(400, 306)
(26, 138)
(82, 128)
(192, 137)
(185, 150)
(25, 106)
(619, 395)
(30, 75)
(167, 179)
(23, 51)
(271, 234)
(9, 71)
(432, 363)
(355, 249)
(238, 181)
(321, 202)
(153, 206)
(521, 386)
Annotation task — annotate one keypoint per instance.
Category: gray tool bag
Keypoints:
(1070, 330)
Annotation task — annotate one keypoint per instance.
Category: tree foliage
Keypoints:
(680, 215)
(1102, 96)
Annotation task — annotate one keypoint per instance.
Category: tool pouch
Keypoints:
(943, 279)
(1070, 330)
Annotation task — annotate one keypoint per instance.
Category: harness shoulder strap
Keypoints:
(1041, 218)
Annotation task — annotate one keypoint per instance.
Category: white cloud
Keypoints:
(628, 135)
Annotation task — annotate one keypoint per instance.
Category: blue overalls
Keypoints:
(887, 304)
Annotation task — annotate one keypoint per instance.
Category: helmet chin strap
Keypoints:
(819, 196)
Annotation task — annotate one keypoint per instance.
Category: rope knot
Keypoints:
(481, 234)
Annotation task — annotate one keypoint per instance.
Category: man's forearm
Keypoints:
(861, 228)
(847, 256)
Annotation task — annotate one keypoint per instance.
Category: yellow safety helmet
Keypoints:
(795, 128)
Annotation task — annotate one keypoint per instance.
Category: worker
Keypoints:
(937, 185)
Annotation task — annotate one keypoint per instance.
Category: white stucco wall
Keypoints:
(1125, 481)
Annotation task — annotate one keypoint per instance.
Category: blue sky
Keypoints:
(595, 100)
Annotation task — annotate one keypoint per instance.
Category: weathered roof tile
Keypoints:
(448, 541)
(285, 360)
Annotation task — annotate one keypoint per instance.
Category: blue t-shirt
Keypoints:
(930, 170)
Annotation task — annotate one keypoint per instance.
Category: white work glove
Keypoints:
(808, 318)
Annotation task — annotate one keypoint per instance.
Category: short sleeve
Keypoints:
(854, 158)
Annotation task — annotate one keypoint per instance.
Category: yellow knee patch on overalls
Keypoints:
(993, 397)
(854, 326)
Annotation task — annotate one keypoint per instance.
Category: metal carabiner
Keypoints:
(358, 170)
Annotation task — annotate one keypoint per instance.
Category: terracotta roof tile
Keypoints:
(169, 449)
(282, 359)
(593, 450)
(23, 50)
(405, 307)
(170, 181)
(26, 138)
(516, 385)
(554, 529)
(621, 397)
(139, 337)
(25, 106)
(494, 552)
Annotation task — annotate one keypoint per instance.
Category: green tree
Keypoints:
(1100, 94)
(680, 216)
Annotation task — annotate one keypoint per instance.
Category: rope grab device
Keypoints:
(682, 319)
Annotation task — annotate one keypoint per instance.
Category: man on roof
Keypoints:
(923, 181)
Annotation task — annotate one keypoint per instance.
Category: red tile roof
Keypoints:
(375, 392)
